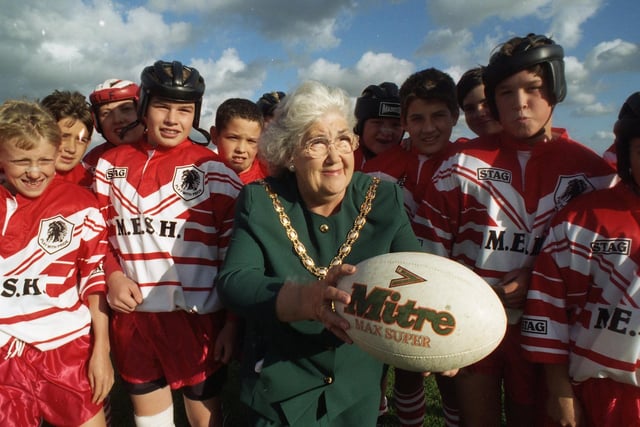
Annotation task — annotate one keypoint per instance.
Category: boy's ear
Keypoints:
(214, 135)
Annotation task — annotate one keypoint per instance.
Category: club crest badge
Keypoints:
(55, 234)
(188, 182)
(569, 187)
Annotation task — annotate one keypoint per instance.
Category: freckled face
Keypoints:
(28, 172)
(75, 140)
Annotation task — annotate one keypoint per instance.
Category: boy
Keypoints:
(489, 205)
(268, 103)
(238, 126)
(631, 104)
(169, 203)
(54, 340)
(73, 114)
(114, 106)
(380, 133)
(429, 112)
(473, 103)
(584, 290)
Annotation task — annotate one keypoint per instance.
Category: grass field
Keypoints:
(122, 412)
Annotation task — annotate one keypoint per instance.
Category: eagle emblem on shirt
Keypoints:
(55, 234)
(188, 182)
(569, 187)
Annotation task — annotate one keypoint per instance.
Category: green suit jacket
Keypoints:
(302, 361)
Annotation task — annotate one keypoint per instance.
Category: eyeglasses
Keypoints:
(318, 147)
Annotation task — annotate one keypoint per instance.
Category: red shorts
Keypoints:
(507, 362)
(175, 346)
(50, 384)
(608, 403)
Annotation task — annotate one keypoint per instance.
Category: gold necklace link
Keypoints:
(345, 248)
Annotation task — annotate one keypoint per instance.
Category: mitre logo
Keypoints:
(55, 234)
(386, 305)
(188, 182)
(389, 109)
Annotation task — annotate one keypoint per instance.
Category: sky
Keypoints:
(244, 48)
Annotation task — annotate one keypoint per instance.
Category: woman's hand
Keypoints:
(315, 301)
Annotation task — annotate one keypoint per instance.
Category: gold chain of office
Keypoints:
(345, 248)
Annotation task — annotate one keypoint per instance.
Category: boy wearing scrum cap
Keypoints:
(380, 132)
(170, 202)
(114, 106)
(490, 203)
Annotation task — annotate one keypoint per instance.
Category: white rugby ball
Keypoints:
(421, 312)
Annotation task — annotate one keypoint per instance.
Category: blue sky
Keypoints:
(244, 48)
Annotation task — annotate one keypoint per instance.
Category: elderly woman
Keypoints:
(295, 235)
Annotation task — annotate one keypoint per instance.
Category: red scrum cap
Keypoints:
(112, 90)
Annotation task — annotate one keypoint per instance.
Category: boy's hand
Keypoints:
(565, 411)
(225, 342)
(513, 287)
(562, 405)
(100, 374)
(124, 294)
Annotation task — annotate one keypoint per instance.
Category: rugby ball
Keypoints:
(421, 312)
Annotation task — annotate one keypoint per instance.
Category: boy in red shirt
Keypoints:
(473, 103)
(114, 106)
(239, 123)
(582, 313)
(54, 338)
(73, 114)
(170, 206)
(489, 205)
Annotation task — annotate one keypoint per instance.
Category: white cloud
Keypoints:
(459, 14)
(579, 90)
(227, 77)
(596, 109)
(582, 93)
(371, 68)
(75, 45)
(567, 17)
(615, 56)
(311, 24)
(448, 43)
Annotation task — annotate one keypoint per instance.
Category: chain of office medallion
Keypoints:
(345, 248)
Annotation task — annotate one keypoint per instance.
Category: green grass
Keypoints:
(433, 416)
(122, 412)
